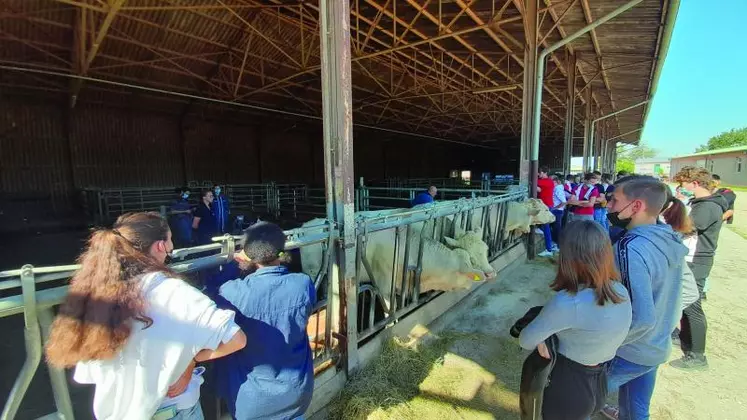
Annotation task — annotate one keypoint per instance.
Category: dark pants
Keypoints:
(694, 324)
(557, 226)
(575, 391)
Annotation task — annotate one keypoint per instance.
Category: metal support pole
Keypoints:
(528, 161)
(56, 376)
(537, 105)
(32, 341)
(587, 127)
(612, 114)
(570, 114)
(337, 120)
(528, 156)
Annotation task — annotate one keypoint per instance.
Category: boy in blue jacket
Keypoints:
(273, 376)
(650, 259)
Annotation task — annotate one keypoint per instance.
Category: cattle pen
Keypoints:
(106, 106)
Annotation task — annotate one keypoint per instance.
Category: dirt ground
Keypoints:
(471, 367)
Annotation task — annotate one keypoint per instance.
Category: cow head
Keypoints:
(477, 250)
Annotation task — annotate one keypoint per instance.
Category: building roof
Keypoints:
(653, 160)
(715, 152)
(451, 69)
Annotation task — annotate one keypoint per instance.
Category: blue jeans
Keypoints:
(600, 216)
(636, 386)
(194, 413)
(557, 226)
(548, 236)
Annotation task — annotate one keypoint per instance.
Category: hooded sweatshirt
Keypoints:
(650, 259)
(706, 214)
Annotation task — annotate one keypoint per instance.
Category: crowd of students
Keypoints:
(628, 287)
(136, 330)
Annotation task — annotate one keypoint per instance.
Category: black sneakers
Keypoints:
(691, 361)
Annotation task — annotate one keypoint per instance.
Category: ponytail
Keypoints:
(675, 215)
(105, 297)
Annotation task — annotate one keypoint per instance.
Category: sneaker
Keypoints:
(555, 248)
(545, 254)
(691, 361)
(610, 411)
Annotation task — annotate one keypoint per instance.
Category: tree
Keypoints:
(626, 155)
(729, 138)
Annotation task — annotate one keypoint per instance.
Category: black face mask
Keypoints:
(616, 221)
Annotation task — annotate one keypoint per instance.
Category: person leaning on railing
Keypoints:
(135, 329)
(273, 377)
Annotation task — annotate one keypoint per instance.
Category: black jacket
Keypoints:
(706, 214)
(535, 371)
(730, 197)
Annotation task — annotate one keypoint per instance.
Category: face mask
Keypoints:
(616, 221)
(185, 196)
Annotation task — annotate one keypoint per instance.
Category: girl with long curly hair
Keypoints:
(134, 329)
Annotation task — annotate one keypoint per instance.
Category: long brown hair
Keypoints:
(586, 260)
(105, 296)
(675, 215)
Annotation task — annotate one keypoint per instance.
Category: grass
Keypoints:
(734, 188)
(453, 376)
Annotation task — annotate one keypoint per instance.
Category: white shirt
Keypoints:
(558, 196)
(134, 383)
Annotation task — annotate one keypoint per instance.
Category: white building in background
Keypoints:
(729, 163)
(657, 166)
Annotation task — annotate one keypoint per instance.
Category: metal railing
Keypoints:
(373, 198)
(434, 221)
(37, 307)
(374, 314)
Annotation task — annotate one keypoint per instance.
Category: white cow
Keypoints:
(522, 215)
(455, 265)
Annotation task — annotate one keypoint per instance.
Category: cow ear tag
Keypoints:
(475, 277)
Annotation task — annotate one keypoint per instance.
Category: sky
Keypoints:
(702, 89)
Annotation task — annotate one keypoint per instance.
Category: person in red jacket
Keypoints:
(545, 186)
(584, 197)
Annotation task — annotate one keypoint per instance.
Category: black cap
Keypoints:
(263, 242)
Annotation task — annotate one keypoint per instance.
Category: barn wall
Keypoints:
(49, 151)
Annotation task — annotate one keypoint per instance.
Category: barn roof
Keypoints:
(715, 152)
(451, 69)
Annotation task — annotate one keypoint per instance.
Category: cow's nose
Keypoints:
(490, 274)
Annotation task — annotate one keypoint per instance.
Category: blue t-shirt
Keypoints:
(422, 198)
(273, 376)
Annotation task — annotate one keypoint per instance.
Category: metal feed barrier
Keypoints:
(437, 220)
(442, 218)
(295, 200)
(37, 308)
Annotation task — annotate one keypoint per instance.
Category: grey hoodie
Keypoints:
(650, 259)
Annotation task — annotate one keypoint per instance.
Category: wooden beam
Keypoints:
(88, 55)
(261, 35)
(595, 41)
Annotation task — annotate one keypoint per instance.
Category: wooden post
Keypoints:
(570, 114)
(587, 131)
(526, 175)
(337, 112)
